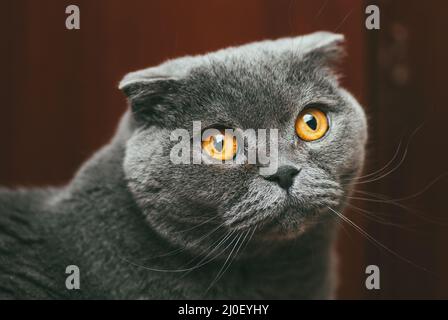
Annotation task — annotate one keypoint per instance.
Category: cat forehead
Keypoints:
(181, 67)
(252, 99)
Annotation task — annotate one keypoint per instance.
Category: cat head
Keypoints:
(288, 86)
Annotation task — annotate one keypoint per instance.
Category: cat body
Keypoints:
(138, 226)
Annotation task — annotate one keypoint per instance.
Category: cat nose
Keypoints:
(284, 176)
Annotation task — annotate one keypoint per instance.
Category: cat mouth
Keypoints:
(284, 216)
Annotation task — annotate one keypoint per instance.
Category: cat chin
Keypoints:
(278, 234)
(279, 230)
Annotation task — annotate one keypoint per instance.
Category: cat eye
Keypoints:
(220, 146)
(311, 124)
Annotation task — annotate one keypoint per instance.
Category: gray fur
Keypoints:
(132, 220)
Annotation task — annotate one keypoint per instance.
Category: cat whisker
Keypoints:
(376, 242)
(373, 216)
(380, 198)
(379, 171)
(399, 205)
(220, 241)
(250, 238)
(204, 260)
(169, 270)
(225, 265)
(243, 244)
(182, 249)
(393, 169)
(414, 195)
(343, 228)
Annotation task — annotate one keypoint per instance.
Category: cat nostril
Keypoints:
(284, 176)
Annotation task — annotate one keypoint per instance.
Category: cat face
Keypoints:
(287, 85)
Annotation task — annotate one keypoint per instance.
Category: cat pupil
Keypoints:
(311, 121)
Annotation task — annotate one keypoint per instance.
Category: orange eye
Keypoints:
(311, 124)
(220, 146)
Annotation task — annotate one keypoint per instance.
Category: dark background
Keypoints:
(59, 103)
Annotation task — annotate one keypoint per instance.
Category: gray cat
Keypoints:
(139, 226)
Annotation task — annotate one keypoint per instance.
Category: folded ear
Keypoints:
(320, 40)
(151, 94)
(324, 48)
